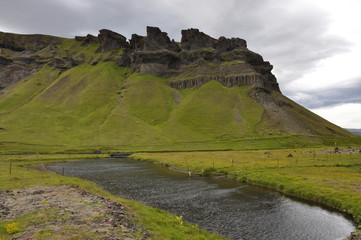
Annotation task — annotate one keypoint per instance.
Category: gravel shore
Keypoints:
(66, 212)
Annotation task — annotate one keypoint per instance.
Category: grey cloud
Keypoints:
(348, 93)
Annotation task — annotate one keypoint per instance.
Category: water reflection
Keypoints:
(224, 206)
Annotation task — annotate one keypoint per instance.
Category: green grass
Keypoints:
(99, 105)
(150, 110)
(161, 224)
(314, 174)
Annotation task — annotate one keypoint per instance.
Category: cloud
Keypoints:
(347, 92)
(278, 30)
(345, 115)
(292, 35)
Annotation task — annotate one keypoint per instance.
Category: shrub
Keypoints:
(12, 228)
(209, 171)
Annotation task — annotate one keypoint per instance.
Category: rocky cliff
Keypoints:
(194, 61)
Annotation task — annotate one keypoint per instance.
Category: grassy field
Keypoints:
(318, 174)
(161, 224)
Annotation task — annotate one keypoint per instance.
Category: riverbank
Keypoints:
(64, 212)
(327, 176)
(43, 205)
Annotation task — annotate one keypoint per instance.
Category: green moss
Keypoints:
(148, 98)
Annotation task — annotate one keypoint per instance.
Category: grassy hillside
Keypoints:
(103, 106)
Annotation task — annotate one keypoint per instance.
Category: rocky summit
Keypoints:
(206, 57)
(145, 93)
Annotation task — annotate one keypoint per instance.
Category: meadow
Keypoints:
(316, 174)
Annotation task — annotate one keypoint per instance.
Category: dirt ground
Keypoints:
(65, 212)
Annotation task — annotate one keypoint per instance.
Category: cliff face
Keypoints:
(225, 60)
(196, 60)
(23, 55)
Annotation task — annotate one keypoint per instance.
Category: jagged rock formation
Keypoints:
(157, 54)
(89, 39)
(32, 42)
(196, 60)
(110, 40)
(21, 56)
(158, 40)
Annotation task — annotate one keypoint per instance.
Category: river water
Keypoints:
(219, 205)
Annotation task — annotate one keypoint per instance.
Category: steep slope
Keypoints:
(94, 93)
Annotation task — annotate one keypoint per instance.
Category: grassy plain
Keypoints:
(318, 174)
(161, 224)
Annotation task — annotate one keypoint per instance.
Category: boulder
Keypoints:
(110, 40)
(354, 236)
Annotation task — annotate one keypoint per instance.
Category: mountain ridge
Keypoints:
(148, 93)
(157, 54)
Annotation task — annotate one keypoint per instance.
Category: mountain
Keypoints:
(149, 93)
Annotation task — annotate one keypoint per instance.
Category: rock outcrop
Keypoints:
(194, 39)
(34, 42)
(110, 40)
(13, 73)
(158, 40)
(226, 44)
(157, 54)
(88, 39)
(194, 61)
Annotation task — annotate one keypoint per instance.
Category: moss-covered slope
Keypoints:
(80, 97)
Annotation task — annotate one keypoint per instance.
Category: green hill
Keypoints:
(82, 96)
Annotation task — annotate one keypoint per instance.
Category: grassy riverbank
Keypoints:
(160, 224)
(319, 175)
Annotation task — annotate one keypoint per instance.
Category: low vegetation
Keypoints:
(98, 105)
(321, 175)
(17, 173)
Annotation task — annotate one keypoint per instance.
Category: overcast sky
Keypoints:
(314, 45)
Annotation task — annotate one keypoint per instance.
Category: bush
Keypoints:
(12, 228)
(209, 171)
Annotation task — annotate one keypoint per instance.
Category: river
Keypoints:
(219, 205)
